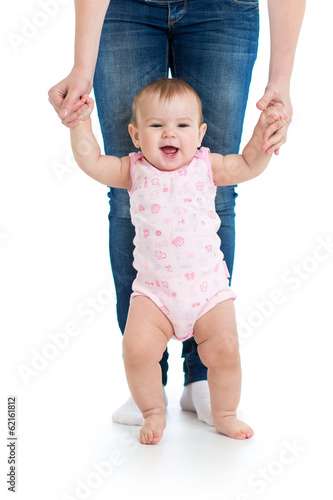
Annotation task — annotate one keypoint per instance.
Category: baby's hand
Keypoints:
(85, 111)
(272, 121)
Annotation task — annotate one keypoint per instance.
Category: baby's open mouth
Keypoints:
(169, 151)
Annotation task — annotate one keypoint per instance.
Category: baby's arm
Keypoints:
(108, 170)
(233, 169)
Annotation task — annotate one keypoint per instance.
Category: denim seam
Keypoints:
(173, 20)
(188, 366)
(174, 60)
(162, 2)
(240, 2)
(172, 46)
(167, 59)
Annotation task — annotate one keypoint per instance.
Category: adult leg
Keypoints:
(133, 51)
(216, 335)
(145, 339)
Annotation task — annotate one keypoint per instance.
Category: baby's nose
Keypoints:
(169, 132)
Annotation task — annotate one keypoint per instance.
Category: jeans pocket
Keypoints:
(246, 3)
(163, 2)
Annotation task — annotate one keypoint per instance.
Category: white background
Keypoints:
(54, 262)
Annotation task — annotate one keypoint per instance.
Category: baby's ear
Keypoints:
(202, 131)
(134, 133)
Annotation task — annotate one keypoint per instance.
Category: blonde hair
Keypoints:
(165, 88)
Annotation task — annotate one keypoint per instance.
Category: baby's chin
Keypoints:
(169, 164)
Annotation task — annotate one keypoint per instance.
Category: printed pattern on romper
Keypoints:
(177, 255)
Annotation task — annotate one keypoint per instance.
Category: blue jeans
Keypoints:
(212, 44)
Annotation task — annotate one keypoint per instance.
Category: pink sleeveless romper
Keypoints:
(177, 255)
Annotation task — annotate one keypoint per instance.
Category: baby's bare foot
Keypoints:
(232, 427)
(152, 430)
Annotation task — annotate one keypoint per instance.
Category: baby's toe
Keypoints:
(157, 438)
(146, 437)
(240, 435)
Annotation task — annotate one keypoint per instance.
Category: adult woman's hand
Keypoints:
(275, 95)
(285, 19)
(65, 96)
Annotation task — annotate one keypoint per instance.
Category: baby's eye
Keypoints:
(183, 125)
(156, 125)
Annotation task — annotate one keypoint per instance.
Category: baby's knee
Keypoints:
(134, 351)
(140, 348)
(217, 352)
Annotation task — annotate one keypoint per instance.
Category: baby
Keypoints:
(182, 287)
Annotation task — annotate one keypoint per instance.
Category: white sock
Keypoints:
(129, 413)
(196, 398)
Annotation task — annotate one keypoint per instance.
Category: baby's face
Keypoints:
(168, 131)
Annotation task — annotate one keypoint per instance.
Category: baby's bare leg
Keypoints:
(145, 339)
(216, 335)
